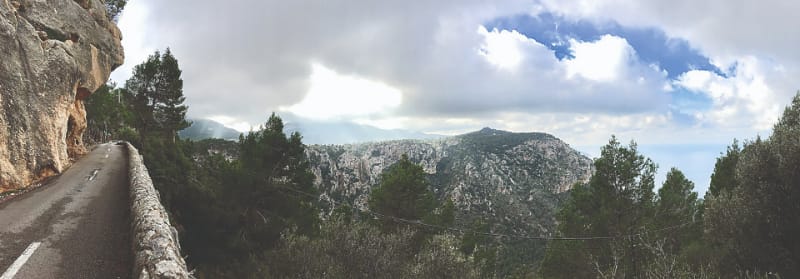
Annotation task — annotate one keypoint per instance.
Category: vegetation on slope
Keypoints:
(255, 215)
(747, 225)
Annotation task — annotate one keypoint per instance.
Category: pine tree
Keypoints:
(618, 201)
(276, 190)
(724, 175)
(158, 96)
(677, 205)
(755, 224)
(403, 193)
(171, 112)
(142, 85)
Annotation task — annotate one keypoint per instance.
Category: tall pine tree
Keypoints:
(403, 193)
(755, 223)
(171, 113)
(677, 205)
(617, 202)
(158, 96)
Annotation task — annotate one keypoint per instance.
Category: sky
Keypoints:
(682, 78)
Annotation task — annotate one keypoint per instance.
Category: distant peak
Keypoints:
(488, 130)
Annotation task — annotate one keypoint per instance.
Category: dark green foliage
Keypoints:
(157, 90)
(676, 205)
(497, 141)
(114, 8)
(750, 218)
(107, 114)
(755, 224)
(476, 238)
(724, 175)
(617, 201)
(572, 259)
(358, 250)
(247, 209)
(443, 216)
(403, 193)
(246, 203)
(274, 173)
(229, 208)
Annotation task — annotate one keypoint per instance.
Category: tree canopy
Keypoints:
(403, 193)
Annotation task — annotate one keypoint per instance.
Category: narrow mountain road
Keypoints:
(75, 226)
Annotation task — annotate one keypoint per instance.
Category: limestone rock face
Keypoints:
(53, 54)
(513, 180)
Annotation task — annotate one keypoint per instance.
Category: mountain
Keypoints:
(511, 180)
(313, 132)
(207, 129)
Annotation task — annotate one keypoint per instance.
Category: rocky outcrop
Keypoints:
(157, 252)
(514, 180)
(53, 54)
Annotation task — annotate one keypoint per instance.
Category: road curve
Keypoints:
(81, 220)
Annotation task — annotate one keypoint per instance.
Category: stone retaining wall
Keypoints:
(157, 252)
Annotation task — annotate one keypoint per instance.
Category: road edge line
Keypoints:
(17, 265)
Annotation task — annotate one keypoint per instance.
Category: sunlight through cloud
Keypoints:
(501, 48)
(332, 96)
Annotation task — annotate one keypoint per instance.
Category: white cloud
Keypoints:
(502, 48)
(722, 29)
(603, 60)
(746, 98)
(759, 45)
(428, 51)
(332, 96)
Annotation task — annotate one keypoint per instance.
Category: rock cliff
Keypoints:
(53, 54)
(513, 180)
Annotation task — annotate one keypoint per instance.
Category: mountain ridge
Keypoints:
(513, 180)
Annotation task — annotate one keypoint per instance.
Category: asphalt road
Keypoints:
(81, 220)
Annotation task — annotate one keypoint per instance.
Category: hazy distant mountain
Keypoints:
(345, 132)
(206, 129)
(313, 132)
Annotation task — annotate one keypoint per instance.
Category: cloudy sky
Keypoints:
(682, 78)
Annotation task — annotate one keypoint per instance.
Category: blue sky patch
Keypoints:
(690, 101)
(652, 45)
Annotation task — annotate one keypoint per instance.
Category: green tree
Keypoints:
(107, 114)
(142, 86)
(157, 90)
(618, 201)
(276, 190)
(114, 8)
(677, 205)
(755, 224)
(724, 175)
(402, 193)
(572, 259)
(171, 113)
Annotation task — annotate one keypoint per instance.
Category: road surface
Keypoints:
(75, 226)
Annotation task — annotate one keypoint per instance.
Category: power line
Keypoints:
(469, 231)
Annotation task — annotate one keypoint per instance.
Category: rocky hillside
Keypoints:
(511, 179)
(53, 54)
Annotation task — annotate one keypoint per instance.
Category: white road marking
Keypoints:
(14, 268)
(94, 174)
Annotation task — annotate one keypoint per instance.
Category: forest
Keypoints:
(257, 215)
